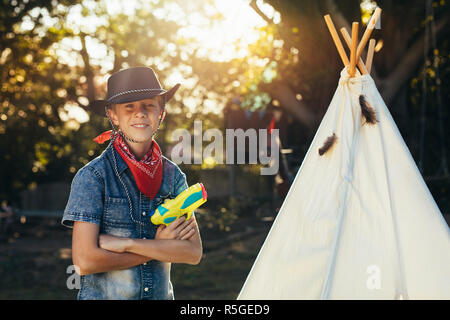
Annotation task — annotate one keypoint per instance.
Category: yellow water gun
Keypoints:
(184, 204)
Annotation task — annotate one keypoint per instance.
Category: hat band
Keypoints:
(132, 91)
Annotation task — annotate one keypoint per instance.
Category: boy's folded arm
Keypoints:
(88, 258)
(176, 251)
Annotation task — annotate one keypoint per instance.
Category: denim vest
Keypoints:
(104, 192)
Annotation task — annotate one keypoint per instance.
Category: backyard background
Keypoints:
(242, 64)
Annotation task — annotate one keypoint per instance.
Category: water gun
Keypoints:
(184, 204)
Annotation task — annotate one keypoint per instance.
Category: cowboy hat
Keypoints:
(129, 85)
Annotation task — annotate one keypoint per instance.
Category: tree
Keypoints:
(302, 27)
(34, 141)
(307, 64)
(39, 139)
(293, 61)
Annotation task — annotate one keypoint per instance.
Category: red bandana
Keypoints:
(147, 172)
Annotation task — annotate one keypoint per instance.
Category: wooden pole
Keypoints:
(353, 49)
(370, 52)
(336, 40)
(368, 32)
(348, 41)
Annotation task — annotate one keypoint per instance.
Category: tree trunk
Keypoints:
(87, 70)
(288, 101)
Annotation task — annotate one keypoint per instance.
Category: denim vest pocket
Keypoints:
(116, 219)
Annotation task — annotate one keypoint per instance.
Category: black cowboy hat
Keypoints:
(129, 85)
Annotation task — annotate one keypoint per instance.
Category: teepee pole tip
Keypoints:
(368, 31)
(348, 41)
(336, 40)
(370, 52)
(354, 44)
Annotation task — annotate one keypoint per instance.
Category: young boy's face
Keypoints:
(137, 119)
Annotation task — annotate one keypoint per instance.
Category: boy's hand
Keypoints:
(180, 229)
(112, 243)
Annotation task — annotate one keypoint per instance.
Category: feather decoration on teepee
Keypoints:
(328, 144)
(367, 111)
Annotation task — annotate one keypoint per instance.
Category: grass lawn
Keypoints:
(35, 257)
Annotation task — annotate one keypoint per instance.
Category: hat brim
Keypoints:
(98, 106)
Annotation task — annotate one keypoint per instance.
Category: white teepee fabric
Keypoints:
(359, 221)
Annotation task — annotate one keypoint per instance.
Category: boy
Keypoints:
(116, 249)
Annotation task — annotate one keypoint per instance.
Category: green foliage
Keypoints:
(38, 139)
(41, 74)
(34, 85)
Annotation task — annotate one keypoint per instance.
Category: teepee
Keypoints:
(359, 221)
